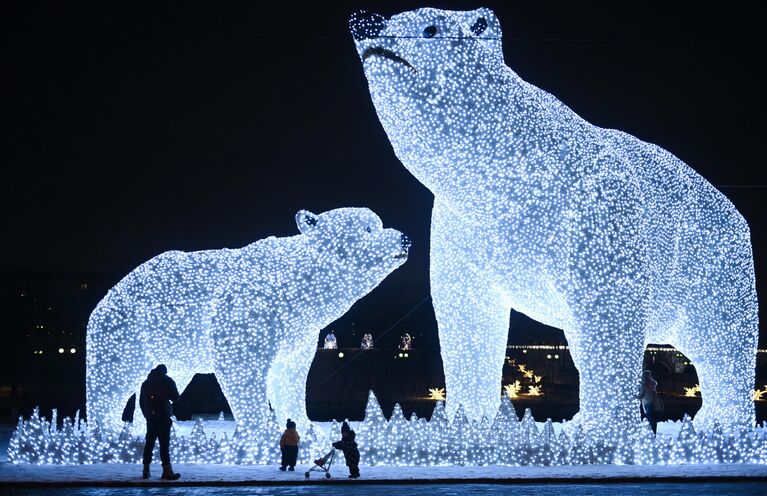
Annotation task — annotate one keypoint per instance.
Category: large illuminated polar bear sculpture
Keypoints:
(250, 315)
(591, 230)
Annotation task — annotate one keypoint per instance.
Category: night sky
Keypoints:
(134, 130)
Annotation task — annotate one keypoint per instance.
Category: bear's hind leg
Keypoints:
(609, 294)
(725, 364)
(609, 368)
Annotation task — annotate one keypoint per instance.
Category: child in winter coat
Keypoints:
(289, 446)
(349, 447)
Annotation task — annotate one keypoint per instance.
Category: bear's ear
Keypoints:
(306, 221)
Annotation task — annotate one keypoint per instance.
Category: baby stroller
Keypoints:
(323, 464)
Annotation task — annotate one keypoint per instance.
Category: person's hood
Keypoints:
(156, 375)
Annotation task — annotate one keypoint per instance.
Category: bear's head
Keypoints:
(353, 244)
(435, 77)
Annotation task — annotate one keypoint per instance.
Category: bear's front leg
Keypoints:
(286, 381)
(242, 358)
(116, 363)
(473, 321)
(608, 290)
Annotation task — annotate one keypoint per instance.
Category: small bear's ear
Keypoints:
(306, 221)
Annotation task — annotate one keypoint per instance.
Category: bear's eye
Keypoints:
(479, 27)
(368, 230)
(430, 31)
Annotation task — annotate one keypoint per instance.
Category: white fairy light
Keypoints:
(249, 315)
(612, 239)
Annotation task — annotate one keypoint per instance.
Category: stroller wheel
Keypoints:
(306, 474)
(327, 476)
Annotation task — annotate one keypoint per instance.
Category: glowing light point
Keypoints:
(759, 394)
(437, 394)
(692, 392)
(405, 342)
(330, 342)
(512, 390)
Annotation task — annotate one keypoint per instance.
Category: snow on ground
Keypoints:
(124, 474)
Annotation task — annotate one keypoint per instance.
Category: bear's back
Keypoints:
(178, 278)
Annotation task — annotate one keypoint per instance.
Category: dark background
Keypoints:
(134, 129)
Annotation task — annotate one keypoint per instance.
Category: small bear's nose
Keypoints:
(405, 241)
(366, 25)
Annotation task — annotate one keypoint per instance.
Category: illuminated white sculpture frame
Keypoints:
(614, 240)
(251, 316)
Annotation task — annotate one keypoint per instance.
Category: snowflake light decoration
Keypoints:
(249, 315)
(512, 390)
(437, 394)
(612, 239)
(759, 394)
(692, 392)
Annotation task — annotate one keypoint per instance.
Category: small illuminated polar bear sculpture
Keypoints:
(251, 315)
(614, 240)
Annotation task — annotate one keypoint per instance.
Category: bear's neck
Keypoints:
(497, 149)
(322, 295)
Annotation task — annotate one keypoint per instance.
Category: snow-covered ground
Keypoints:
(121, 474)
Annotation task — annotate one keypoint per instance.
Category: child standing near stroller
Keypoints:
(349, 447)
(289, 446)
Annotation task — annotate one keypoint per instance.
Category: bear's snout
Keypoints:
(405, 242)
(366, 25)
